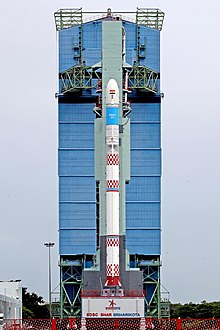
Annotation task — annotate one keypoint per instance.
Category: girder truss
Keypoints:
(84, 77)
(143, 78)
(71, 282)
(151, 280)
(78, 78)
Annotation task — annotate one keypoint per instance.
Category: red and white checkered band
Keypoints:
(112, 242)
(109, 268)
(112, 159)
(112, 184)
(116, 270)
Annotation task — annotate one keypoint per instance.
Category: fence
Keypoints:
(113, 324)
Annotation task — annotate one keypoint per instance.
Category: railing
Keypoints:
(150, 17)
(66, 18)
(127, 293)
(113, 324)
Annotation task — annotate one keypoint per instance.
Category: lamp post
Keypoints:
(49, 245)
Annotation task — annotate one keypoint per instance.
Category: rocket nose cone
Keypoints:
(112, 92)
(112, 84)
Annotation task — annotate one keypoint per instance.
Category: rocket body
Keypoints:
(112, 185)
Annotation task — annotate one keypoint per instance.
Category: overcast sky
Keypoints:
(190, 70)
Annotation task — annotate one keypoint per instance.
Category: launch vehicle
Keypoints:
(113, 290)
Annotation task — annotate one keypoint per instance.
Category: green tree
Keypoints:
(216, 309)
(34, 306)
(202, 310)
(26, 313)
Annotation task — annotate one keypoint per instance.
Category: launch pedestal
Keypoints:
(113, 307)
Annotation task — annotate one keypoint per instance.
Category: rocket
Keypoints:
(112, 185)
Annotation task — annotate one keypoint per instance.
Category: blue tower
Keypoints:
(90, 53)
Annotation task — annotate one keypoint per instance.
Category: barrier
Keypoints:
(113, 324)
(127, 293)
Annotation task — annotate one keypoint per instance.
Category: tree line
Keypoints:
(192, 310)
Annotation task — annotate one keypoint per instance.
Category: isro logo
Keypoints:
(112, 306)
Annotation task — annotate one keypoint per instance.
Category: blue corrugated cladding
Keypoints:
(77, 229)
(77, 191)
(76, 152)
(67, 39)
(92, 42)
(148, 37)
(143, 193)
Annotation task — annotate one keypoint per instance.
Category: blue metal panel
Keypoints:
(77, 241)
(77, 183)
(93, 56)
(92, 42)
(77, 189)
(143, 189)
(76, 112)
(131, 33)
(142, 215)
(151, 39)
(76, 216)
(148, 37)
(76, 135)
(145, 135)
(143, 241)
(92, 35)
(76, 162)
(145, 162)
(67, 39)
(145, 112)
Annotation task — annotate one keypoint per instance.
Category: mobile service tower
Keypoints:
(109, 104)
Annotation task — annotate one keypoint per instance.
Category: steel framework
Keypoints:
(152, 18)
(143, 78)
(79, 77)
(66, 18)
(71, 285)
(84, 77)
